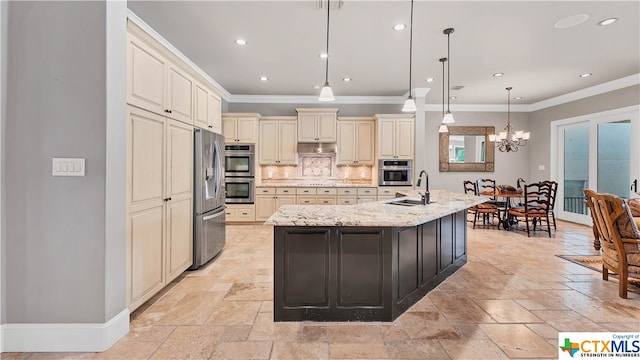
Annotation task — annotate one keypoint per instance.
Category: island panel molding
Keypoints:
(487, 166)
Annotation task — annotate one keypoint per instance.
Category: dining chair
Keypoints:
(485, 209)
(536, 206)
(619, 236)
(552, 200)
(488, 186)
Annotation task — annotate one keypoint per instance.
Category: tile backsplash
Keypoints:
(318, 168)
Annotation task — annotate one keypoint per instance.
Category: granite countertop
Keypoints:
(379, 213)
(294, 183)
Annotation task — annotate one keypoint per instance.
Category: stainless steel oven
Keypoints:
(395, 172)
(240, 190)
(239, 160)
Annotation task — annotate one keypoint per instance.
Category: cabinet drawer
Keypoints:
(346, 200)
(246, 214)
(326, 200)
(366, 199)
(306, 191)
(347, 191)
(367, 191)
(386, 191)
(326, 191)
(230, 214)
(306, 200)
(285, 191)
(265, 191)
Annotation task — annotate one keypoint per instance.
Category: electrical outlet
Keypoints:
(68, 167)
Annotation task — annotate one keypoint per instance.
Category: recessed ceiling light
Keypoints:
(429, 80)
(241, 41)
(518, 98)
(323, 55)
(346, 79)
(498, 74)
(263, 78)
(453, 97)
(571, 21)
(585, 75)
(399, 27)
(608, 21)
(316, 87)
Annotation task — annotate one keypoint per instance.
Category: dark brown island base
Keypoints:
(367, 262)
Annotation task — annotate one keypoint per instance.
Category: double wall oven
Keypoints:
(239, 173)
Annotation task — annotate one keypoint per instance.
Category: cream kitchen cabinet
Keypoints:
(395, 136)
(366, 194)
(240, 213)
(268, 200)
(239, 127)
(316, 196)
(347, 196)
(277, 143)
(316, 125)
(206, 109)
(356, 141)
(156, 84)
(159, 202)
(389, 192)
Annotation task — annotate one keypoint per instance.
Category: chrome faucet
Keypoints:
(426, 198)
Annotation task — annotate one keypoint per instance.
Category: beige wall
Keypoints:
(539, 122)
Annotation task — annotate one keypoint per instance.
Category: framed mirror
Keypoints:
(467, 148)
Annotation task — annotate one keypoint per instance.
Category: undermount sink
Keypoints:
(406, 202)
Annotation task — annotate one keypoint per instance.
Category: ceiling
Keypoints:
(517, 38)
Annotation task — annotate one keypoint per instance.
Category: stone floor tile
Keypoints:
(250, 291)
(314, 333)
(469, 331)
(234, 313)
(517, 340)
(357, 351)
(149, 333)
(267, 306)
(393, 333)
(472, 349)
(50, 356)
(416, 349)
(243, 350)
(232, 333)
(427, 325)
(568, 321)
(458, 308)
(348, 333)
(130, 350)
(294, 350)
(193, 309)
(507, 311)
(264, 328)
(544, 330)
(189, 342)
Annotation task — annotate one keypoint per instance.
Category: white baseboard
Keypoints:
(64, 337)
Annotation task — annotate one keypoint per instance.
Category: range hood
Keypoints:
(317, 148)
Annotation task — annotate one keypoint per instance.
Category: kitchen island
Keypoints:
(365, 262)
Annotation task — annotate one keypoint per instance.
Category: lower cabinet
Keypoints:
(240, 213)
(268, 200)
(159, 203)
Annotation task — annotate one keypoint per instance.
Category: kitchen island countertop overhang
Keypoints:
(365, 262)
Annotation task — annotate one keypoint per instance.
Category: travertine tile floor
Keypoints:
(509, 301)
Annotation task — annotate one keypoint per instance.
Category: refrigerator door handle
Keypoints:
(209, 217)
(218, 164)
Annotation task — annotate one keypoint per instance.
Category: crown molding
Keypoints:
(479, 108)
(154, 34)
(312, 99)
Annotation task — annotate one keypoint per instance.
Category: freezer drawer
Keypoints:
(209, 236)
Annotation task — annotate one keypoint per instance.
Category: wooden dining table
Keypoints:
(506, 224)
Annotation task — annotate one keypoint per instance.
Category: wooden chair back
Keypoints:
(470, 187)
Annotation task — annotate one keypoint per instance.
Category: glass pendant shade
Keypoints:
(448, 118)
(326, 94)
(443, 128)
(409, 105)
(492, 137)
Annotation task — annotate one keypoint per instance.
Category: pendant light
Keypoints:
(448, 117)
(326, 94)
(443, 127)
(410, 104)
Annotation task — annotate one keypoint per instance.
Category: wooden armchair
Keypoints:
(619, 237)
(484, 210)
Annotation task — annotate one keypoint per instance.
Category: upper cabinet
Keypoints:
(207, 113)
(395, 136)
(356, 141)
(239, 127)
(278, 140)
(156, 84)
(317, 125)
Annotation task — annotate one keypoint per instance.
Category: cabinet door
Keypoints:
(285, 200)
(201, 107)
(307, 127)
(268, 144)
(326, 124)
(146, 77)
(145, 159)
(215, 114)
(364, 144)
(145, 247)
(229, 129)
(179, 168)
(179, 237)
(287, 142)
(386, 139)
(246, 130)
(346, 145)
(180, 94)
(404, 139)
(265, 206)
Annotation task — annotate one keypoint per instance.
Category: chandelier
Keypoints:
(509, 140)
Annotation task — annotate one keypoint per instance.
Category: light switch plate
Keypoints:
(68, 167)
(541, 167)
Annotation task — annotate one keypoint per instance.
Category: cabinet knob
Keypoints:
(210, 126)
(167, 199)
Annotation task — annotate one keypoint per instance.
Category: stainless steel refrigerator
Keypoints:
(209, 196)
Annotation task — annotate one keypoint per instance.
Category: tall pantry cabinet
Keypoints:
(164, 100)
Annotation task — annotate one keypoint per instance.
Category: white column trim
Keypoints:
(65, 337)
